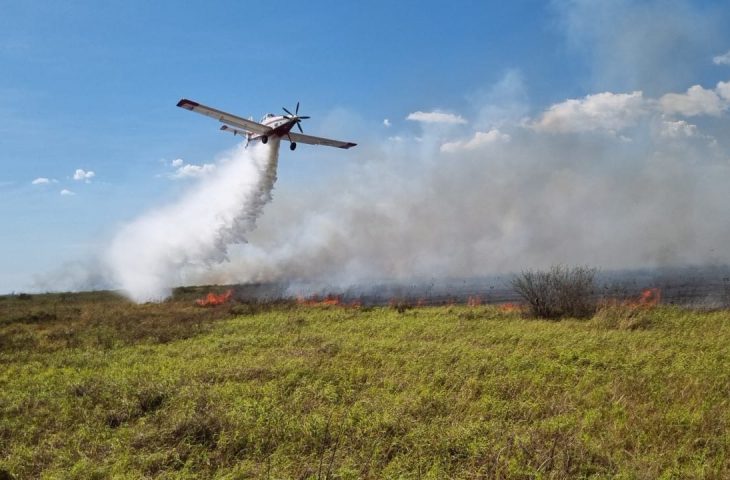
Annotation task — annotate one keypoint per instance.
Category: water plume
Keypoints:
(168, 245)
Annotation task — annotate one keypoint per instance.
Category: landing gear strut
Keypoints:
(264, 139)
(293, 146)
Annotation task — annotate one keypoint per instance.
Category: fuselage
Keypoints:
(280, 125)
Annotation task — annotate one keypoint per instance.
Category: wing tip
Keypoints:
(348, 145)
(187, 104)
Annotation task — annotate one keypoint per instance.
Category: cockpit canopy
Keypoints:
(267, 116)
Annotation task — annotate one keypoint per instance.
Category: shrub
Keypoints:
(559, 292)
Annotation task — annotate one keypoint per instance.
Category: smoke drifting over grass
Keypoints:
(169, 245)
(632, 174)
(649, 191)
(597, 180)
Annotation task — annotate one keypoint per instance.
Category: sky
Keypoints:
(90, 137)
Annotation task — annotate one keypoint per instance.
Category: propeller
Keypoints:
(295, 116)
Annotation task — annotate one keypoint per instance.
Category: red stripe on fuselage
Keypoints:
(283, 129)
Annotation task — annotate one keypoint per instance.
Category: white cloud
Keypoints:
(189, 170)
(83, 175)
(723, 59)
(192, 171)
(602, 111)
(723, 89)
(386, 122)
(697, 101)
(41, 181)
(65, 192)
(436, 117)
(677, 129)
(479, 139)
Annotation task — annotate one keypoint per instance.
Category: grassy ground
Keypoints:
(92, 386)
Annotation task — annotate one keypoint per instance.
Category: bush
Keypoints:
(559, 292)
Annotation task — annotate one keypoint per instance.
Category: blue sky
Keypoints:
(93, 86)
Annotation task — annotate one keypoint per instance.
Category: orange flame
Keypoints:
(651, 297)
(474, 301)
(212, 299)
(509, 307)
(328, 301)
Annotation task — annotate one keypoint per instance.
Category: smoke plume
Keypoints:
(610, 180)
(170, 245)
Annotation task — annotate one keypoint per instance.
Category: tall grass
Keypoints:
(108, 389)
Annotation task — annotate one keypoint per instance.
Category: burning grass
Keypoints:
(93, 386)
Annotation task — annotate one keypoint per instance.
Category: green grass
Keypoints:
(92, 386)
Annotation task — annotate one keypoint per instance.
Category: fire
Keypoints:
(327, 301)
(315, 301)
(474, 301)
(212, 299)
(509, 307)
(651, 297)
(648, 298)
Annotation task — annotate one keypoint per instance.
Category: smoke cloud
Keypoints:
(630, 186)
(171, 245)
(631, 174)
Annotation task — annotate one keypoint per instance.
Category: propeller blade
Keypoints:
(304, 117)
(287, 111)
(300, 128)
(297, 110)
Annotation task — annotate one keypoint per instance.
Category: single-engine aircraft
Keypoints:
(271, 126)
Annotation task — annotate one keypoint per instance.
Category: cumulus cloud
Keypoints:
(601, 111)
(65, 192)
(190, 170)
(41, 181)
(723, 89)
(83, 175)
(677, 129)
(436, 117)
(697, 101)
(386, 122)
(479, 140)
(723, 59)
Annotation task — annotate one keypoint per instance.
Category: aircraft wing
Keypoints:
(224, 117)
(301, 138)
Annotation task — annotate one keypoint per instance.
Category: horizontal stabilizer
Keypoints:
(234, 131)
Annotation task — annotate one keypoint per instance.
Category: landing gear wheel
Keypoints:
(293, 146)
(264, 139)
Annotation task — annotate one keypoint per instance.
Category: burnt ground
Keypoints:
(695, 287)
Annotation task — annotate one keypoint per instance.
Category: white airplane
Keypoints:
(271, 126)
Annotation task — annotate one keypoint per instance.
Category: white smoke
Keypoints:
(622, 194)
(170, 245)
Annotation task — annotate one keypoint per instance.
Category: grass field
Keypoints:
(92, 386)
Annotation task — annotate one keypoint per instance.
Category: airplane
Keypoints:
(271, 126)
